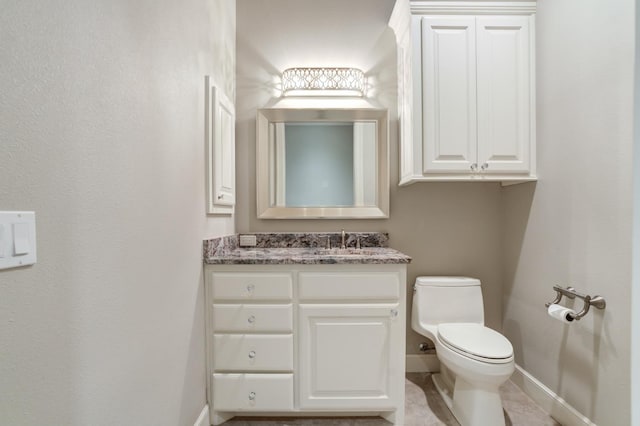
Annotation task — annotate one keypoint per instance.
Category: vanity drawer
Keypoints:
(233, 318)
(251, 286)
(347, 286)
(246, 352)
(253, 392)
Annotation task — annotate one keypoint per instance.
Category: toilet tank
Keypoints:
(438, 300)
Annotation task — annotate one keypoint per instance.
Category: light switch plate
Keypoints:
(17, 239)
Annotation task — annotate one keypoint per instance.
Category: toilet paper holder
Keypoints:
(571, 293)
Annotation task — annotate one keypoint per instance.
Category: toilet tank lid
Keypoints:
(447, 281)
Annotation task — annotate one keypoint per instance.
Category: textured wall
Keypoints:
(102, 134)
(448, 228)
(574, 226)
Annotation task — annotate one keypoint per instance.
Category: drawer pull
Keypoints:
(252, 396)
(251, 319)
(252, 354)
(394, 313)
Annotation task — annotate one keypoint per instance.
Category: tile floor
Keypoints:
(423, 407)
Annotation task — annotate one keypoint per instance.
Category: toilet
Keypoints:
(474, 360)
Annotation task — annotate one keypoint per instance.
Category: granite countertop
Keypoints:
(303, 248)
(284, 256)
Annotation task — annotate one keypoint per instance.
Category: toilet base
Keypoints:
(471, 405)
(444, 390)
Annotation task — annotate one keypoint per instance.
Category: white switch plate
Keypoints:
(17, 239)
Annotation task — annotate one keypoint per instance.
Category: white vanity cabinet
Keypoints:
(467, 90)
(306, 340)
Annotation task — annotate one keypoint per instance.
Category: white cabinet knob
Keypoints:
(485, 166)
(250, 288)
(252, 396)
(252, 354)
(474, 167)
(394, 313)
(251, 319)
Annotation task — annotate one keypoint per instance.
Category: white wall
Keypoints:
(574, 226)
(448, 228)
(102, 134)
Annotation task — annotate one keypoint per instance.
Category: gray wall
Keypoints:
(102, 134)
(574, 226)
(448, 228)
(635, 286)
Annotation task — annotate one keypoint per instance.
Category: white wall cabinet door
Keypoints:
(504, 101)
(349, 356)
(449, 93)
(221, 169)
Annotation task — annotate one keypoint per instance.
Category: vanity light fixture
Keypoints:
(323, 81)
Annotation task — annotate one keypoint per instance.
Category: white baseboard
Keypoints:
(203, 418)
(418, 363)
(557, 407)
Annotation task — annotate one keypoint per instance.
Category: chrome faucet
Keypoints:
(343, 245)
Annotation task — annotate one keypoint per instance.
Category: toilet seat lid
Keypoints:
(476, 340)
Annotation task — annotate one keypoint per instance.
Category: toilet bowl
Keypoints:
(475, 360)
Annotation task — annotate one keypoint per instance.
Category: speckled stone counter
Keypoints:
(303, 248)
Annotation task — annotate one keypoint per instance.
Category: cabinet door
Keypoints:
(504, 93)
(220, 151)
(449, 94)
(350, 356)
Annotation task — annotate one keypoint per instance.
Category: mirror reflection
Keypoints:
(323, 164)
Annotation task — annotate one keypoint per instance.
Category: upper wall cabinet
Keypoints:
(466, 92)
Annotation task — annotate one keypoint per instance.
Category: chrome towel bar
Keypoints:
(571, 293)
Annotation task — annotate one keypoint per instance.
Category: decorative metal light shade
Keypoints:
(342, 81)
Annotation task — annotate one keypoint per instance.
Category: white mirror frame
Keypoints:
(263, 163)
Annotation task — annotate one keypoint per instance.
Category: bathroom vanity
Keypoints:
(305, 331)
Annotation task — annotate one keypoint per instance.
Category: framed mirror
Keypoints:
(322, 163)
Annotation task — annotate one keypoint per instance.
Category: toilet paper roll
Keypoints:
(561, 313)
